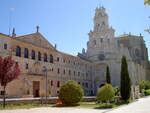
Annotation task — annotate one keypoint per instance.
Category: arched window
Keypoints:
(45, 57)
(18, 51)
(33, 54)
(51, 58)
(26, 53)
(39, 56)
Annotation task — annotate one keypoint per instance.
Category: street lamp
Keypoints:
(46, 90)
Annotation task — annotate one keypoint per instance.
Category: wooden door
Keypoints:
(36, 88)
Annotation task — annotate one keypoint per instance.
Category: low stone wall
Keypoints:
(51, 100)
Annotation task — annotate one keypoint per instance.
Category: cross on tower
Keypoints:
(37, 29)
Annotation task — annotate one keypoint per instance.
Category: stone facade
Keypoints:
(103, 49)
(33, 52)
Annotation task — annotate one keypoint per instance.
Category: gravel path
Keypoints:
(53, 110)
(140, 106)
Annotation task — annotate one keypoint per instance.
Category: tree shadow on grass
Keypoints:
(105, 106)
(63, 105)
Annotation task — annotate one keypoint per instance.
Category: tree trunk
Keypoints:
(4, 97)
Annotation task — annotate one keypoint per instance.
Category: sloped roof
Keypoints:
(36, 39)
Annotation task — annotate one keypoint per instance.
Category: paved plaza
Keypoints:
(140, 106)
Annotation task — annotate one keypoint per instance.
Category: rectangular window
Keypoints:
(58, 71)
(1, 92)
(78, 73)
(5, 46)
(94, 42)
(86, 84)
(57, 59)
(64, 72)
(51, 83)
(101, 40)
(69, 72)
(27, 66)
(58, 84)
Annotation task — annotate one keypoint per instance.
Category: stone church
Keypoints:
(44, 67)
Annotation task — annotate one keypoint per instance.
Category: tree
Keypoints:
(9, 70)
(70, 93)
(105, 93)
(125, 87)
(108, 78)
(147, 2)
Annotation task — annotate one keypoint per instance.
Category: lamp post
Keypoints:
(46, 90)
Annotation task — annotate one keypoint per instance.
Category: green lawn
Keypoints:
(91, 105)
(22, 106)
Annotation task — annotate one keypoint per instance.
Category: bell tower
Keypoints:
(100, 20)
(101, 38)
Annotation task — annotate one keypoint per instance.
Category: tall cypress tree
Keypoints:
(125, 88)
(108, 78)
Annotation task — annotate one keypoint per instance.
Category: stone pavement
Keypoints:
(140, 106)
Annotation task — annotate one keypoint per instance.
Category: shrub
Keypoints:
(147, 92)
(105, 93)
(70, 93)
(144, 85)
(117, 91)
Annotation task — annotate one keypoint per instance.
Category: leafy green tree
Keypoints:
(108, 78)
(125, 88)
(147, 2)
(105, 93)
(70, 93)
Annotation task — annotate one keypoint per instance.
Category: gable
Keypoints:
(36, 39)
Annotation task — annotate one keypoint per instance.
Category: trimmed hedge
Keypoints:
(70, 93)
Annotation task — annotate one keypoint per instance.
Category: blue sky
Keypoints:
(67, 22)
